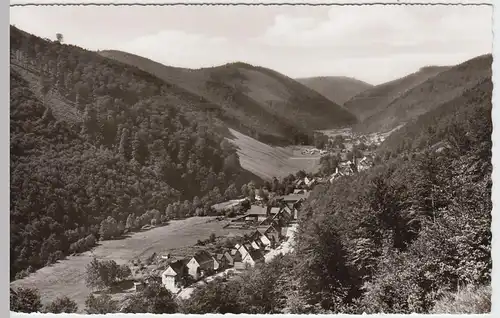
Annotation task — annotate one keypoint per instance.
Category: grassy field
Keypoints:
(67, 277)
(267, 162)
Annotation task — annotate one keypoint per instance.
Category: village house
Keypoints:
(257, 213)
(270, 232)
(299, 183)
(257, 244)
(267, 242)
(201, 264)
(310, 182)
(260, 240)
(239, 255)
(292, 203)
(277, 219)
(273, 211)
(242, 249)
(224, 260)
(253, 257)
(173, 276)
(337, 174)
(282, 218)
(365, 163)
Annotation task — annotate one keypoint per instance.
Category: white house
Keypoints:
(172, 276)
(265, 240)
(200, 264)
(253, 258)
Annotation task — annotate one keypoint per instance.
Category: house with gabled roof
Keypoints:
(299, 183)
(200, 264)
(274, 210)
(271, 232)
(238, 257)
(257, 244)
(253, 258)
(173, 276)
(257, 213)
(266, 241)
(310, 182)
(224, 260)
(293, 203)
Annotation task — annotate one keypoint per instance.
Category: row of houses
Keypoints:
(286, 210)
(182, 272)
(271, 229)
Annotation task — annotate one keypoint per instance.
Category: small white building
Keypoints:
(172, 277)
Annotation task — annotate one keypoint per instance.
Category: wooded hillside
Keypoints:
(134, 152)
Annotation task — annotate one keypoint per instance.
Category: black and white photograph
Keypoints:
(250, 159)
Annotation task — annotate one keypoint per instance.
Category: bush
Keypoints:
(61, 305)
(471, 300)
(103, 304)
(25, 300)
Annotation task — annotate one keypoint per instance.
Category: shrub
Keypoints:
(470, 300)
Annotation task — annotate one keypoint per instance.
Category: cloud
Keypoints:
(372, 43)
(382, 30)
(180, 48)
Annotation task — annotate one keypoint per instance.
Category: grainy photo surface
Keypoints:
(250, 159)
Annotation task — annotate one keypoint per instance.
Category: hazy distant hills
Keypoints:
(389, 105)
(257, 101)
(338, 89)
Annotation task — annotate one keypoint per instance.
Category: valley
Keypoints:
(137, 187)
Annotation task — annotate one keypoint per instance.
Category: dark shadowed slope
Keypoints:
(256, 101)
(431, 93)
(375, 99)
(447, 125)
(338, 89)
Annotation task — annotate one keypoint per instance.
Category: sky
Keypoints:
(375, 44)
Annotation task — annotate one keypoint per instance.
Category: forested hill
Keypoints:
(259, 102)
(376, 98)
(338, 89)
(436, 90)
(408, 234)
(449, 125)
(98, 146)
